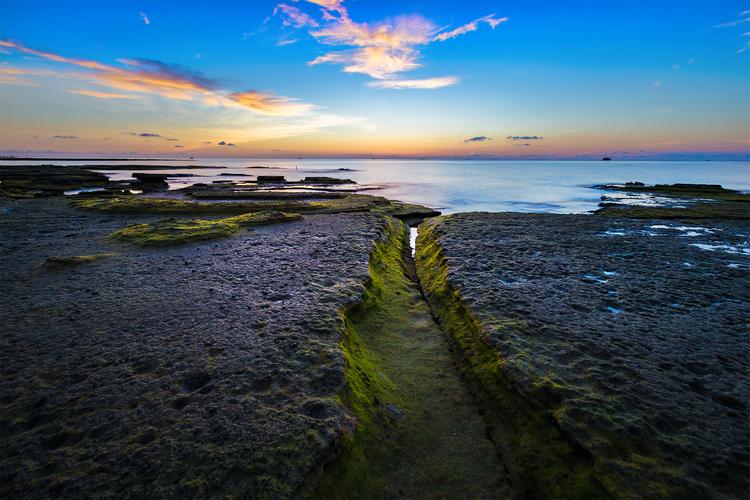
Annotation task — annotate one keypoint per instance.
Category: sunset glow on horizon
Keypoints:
(345, 78)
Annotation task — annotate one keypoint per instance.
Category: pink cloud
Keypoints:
(384, 49)
(295, 17)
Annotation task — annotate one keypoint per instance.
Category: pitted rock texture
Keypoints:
(634, 339)
(209, 369)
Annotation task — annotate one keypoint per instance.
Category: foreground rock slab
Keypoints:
(199, 370)
(630, 336)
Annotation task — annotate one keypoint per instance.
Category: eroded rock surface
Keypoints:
(633, 334)
(202, 370)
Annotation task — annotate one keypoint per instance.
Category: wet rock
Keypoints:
(156, 386)
(150, 182)
(270, 179)
(641, 359)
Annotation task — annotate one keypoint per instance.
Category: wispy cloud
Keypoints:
(383, 49)
(426, 83)
(283, 42)
(150, 135)
(64, 137)
(469, 27)
(292, 16)
(744, 17)
(225, 143)
(145, 76)
(269, 104)
(479, 138)
(524, 138)
(145, 19)
(102, 95)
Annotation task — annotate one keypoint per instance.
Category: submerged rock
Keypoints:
(270, 179)
(328, 180)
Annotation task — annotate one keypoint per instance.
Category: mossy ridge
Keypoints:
(541, 461)
(140, 204)
(175, 231)
(348, 203)
(418, 432)
(366, 395)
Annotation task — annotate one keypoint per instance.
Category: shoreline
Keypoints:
(309, 341)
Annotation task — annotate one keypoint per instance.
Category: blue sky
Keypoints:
(344, 78)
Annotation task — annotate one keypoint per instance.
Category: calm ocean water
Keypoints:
(462, 186)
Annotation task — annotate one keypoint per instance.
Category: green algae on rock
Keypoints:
(141, 204)
(179, 231)
(348, 203)
(417, 431)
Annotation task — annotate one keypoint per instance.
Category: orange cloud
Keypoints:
(102, 95)
(387, 48)
(174, 82)
(268, 104)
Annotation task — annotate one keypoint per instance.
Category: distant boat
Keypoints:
(606, 158)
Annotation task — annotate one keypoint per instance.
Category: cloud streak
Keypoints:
(524, 138)
(469, 27)
(146, 76)
(292, 16)
(102, 95)
(426, 83)
(145, 19)
(479, 138)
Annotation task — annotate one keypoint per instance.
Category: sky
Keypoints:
(650, 79)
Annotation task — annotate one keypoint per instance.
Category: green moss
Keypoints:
(417, 432)
(343, 204)
(176, 231)
(368, 391)
(541, 460)
(56, 261)
(140, 204)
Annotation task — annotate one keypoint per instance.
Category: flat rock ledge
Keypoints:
(194, 371)
(632, 336)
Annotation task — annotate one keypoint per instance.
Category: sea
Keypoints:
(458, 186)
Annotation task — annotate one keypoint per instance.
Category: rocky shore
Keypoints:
(271, 339)
(198, 370)
(629, 336)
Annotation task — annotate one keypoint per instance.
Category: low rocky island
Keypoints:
(271, 338)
